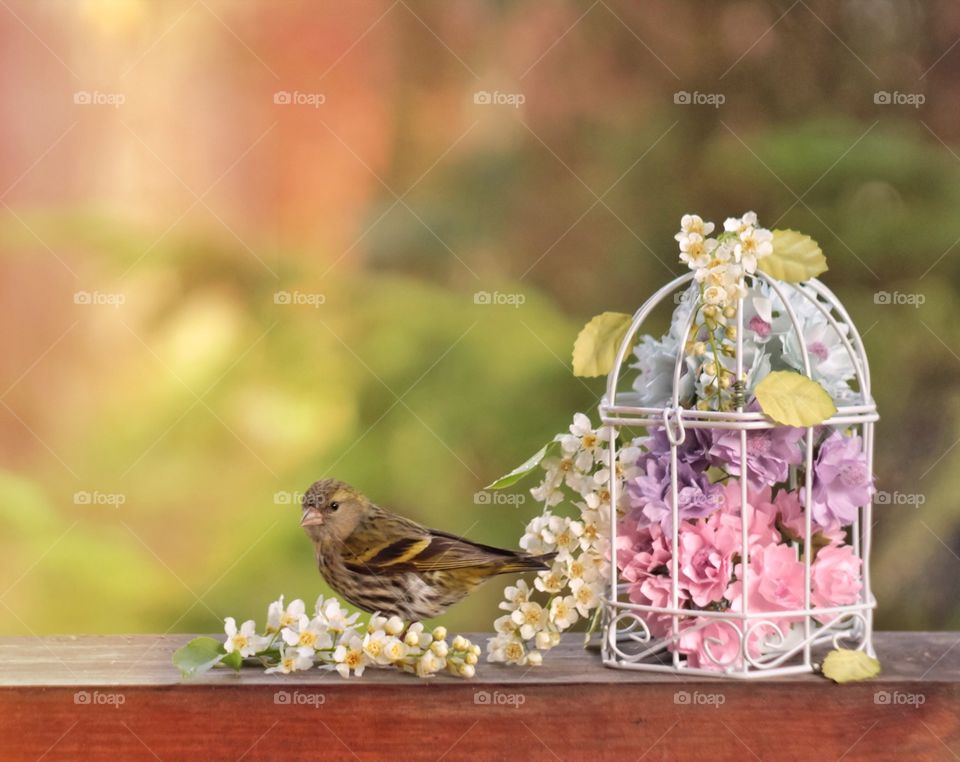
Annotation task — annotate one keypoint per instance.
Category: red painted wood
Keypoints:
(572, 708)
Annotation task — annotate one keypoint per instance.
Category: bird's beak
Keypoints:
(311, 519)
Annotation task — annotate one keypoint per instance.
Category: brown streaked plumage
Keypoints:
(379, 561)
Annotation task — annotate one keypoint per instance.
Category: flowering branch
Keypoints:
(330, 639)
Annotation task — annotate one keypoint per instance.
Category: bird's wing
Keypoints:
(406, 545)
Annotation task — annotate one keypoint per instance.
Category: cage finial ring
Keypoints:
(675, 436)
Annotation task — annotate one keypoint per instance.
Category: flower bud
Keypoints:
(394, 625)
(534, 658)
(440, 648)
(699, 348)
(471, 658)
(729, 311)
(460, 643)
(467, 670)
(439, 633)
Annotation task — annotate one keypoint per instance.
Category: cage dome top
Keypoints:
(755, 340)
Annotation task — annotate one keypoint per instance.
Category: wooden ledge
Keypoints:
(120, 697)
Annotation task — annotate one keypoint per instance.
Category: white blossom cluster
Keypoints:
(333, 639)
(721, 263)
(572, 588)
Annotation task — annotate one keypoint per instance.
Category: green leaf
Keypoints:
(846, 666)
(795, 258)
(596, 346)
(233, 660)
(793, 399)
(524, 468)
(197, 656)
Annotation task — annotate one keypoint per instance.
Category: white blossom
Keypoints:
(245, 639)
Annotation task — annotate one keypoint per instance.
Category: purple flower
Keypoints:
(694, 450)
(649, 494)
(842, 483)
(770, 453)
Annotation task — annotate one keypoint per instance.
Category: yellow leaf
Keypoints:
(793, 399)
(597, 344)
(846, 666)
(795, 258)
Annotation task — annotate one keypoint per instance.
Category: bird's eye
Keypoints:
(334, 505)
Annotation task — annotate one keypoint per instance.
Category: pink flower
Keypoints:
(706, 551)
(714, 646)
(655, 590)
(775, 581)
(641, 550)
(760, 512)
(792, 517)
(835, 577)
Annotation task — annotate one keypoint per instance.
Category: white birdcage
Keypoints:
(733, 639)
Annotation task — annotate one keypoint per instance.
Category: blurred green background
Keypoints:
(242, 243)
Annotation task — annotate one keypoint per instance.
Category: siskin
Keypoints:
(382, 562)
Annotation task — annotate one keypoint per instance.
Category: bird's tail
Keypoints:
(524, 562)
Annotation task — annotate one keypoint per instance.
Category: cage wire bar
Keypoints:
(628, 642)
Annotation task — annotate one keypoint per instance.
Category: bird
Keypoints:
(385, 563)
